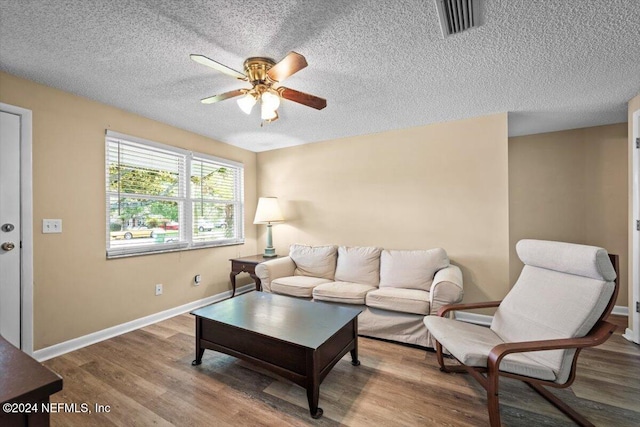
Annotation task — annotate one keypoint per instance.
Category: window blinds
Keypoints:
(162, 198)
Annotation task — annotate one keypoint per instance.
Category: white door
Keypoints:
(10, 252)
(634, 282)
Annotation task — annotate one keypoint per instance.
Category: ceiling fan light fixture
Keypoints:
(268, 113)
(265, 76)
(271, 99)
(247, 102)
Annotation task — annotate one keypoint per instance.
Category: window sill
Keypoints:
(123, 254)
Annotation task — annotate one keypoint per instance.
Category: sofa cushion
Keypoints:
(344, 292)
(314, 261)
(396, 299)
(411, 269)
(358, 265)
(296, 286)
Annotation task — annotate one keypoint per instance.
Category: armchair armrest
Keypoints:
(468, 306)
(446, 288)
(598, 334)
(273, 269)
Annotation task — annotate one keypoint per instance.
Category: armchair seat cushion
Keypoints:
(402, 300)
(471, 344)
(296, 286)
(343, 292)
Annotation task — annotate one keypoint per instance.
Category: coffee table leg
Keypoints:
(199, 349)
(313, 385)
(354, 357)
(313, 395)
(354, 352)
(198, 359)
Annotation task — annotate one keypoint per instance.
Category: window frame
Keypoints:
(186, 239)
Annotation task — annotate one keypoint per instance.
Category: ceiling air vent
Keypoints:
(457, 16)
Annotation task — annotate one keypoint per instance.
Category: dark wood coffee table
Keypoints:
(297, 339)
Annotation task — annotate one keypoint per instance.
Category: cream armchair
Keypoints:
(557, 307)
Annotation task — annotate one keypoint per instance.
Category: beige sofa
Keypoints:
(396, 288)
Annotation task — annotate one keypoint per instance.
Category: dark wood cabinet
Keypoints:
(25, 387)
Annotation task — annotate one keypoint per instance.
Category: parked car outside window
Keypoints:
(173, 225)
(133, 233)
(206, 225)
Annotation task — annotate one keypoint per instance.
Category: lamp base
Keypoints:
(269, 253)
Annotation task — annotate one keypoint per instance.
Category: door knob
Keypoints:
(8, 246)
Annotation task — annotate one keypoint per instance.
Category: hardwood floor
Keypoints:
(146, 378)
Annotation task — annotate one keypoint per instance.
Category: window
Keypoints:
(161, 198)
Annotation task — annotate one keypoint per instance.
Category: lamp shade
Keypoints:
(266, 113)
(268, 211)
(246, 103)
(271, 99)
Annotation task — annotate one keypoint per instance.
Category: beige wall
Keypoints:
(571, 186)
(442, 185)
(76, 289)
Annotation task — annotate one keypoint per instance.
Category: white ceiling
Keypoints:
(381, 65)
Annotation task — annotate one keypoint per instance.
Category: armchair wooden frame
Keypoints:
(489, 377)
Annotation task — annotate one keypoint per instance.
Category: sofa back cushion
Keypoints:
(314, 261)
(359, 265)
(411, 269)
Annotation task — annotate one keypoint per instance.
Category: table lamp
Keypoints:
(268, 212)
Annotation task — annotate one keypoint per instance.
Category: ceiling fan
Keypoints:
(265, 75)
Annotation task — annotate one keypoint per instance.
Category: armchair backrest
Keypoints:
(562, 291)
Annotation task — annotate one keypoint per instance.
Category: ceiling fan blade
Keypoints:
(289, 65)
(302, 98)
(223, 96)
(200, 59)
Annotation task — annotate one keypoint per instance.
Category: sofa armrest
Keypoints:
(273, 269)
(446, 288)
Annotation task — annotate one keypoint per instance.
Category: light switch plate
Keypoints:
(51, 226)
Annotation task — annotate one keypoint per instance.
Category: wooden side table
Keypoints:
(247, 265)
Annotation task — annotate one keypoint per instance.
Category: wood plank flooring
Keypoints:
(146, 378)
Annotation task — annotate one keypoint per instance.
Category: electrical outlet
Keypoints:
(51, 226)
(197, 280)
(158, 289)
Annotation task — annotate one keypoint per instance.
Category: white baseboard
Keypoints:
(478, 319)
(485, 320)
(620, 310)
(95, 337)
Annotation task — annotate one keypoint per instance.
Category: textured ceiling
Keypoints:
(381, 65)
